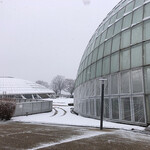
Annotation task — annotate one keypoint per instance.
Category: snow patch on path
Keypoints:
(74, 138)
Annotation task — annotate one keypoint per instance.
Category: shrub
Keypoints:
(7, 109)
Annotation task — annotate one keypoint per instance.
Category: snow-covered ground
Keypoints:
(61, 115)
(62, 101)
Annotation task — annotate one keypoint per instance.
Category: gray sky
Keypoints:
(40, 39)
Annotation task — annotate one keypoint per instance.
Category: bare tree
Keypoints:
(57, 84)
(43, 83)
(54, 87)
(69, 86)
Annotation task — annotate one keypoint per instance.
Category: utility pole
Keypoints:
(102, 103)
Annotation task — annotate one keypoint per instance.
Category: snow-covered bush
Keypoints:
(7, 109)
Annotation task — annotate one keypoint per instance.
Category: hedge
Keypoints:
(7, 108)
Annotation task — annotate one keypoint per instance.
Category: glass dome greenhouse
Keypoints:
(119, 51)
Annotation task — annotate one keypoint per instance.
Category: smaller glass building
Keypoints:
(119, 51)
(22, 89)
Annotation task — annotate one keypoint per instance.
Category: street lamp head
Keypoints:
(102, 79)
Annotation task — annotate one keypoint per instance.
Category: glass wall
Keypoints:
(119, 51)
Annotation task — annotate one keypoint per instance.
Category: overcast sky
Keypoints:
(40, 39)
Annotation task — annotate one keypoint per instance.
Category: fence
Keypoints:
(33, 107)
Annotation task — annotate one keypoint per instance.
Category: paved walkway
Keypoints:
(39, 133)
(18, 136)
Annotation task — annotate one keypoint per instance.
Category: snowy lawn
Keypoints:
(61, 115)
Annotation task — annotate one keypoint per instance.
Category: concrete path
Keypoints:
(18, 136)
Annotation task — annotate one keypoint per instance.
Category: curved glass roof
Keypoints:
(119, 43)
(9, 85)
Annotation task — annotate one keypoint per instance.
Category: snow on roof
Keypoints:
(10, 85)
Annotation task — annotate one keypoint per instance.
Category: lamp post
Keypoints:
(102, 103)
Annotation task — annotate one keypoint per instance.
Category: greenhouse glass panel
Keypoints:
(98, 68)
(106, 65)
(137, 15)
(107, 48)
(124, 3)
(114, 84)
(148, 105)
(129, 7)
(106, 24)
(138, 3)
(147, 53)
(100, 51)
(147, 30)
(125, 82)
(126, 109)
(147, 79)
(80, 68)
(100, 30)
(83, 108)
(110, 31)
(120, 13)
(136, 56)
(92, 47)
(93, 67)
(88, 89)
(76, 83)
(82, 65)
(94, 58)
(113, 19)
(80, 79)
(103, 37)
(115, 108)
(87, 108)
(106, 86)
(116, 43)
(98, 107)
(125, 38)
(84, 75)
(139, 109)
(127, 21)
(97, 42)
(91, 88)
(115, 62)
(136, 34)
(98, 87)
(92, 107)
(106, 107)
(88, 50)
(88, 73)
(137, 81)
(118, 27)
(125, 59)
(86, 62)
(89, 59)
(147, 10)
